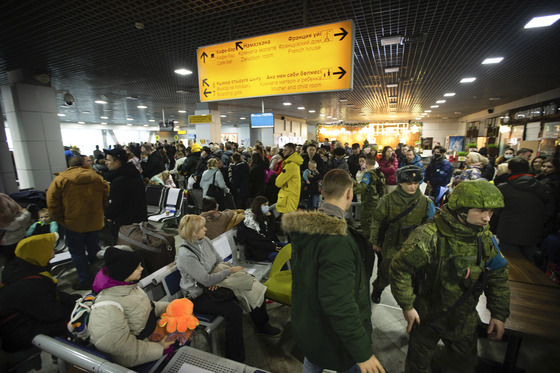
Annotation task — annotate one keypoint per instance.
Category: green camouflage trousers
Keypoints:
(383, 266)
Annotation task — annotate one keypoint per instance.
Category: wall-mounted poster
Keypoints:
(229, 137)
(551, 130)
(456, 143)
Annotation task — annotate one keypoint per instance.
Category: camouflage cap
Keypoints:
(478, 194)
(410, 174)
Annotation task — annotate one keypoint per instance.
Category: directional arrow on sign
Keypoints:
(204, 83)
(203, 56)
(206, 92)
(343, 33)
(342, 72)
(238, 45)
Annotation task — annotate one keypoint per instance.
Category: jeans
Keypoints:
(83, 248)
(313, 201)
(309, 367)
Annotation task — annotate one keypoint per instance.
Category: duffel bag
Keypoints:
(156, 247)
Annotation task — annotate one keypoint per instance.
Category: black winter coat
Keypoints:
(154, 165)
(256, 178)
(32, 304)
(240, 180)
(527, 207)
(127, 196)
(321, 166)
(258, 245)
(191, 163)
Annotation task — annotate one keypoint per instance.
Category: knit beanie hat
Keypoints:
(38, 249)
(121, 263)
(410, 174)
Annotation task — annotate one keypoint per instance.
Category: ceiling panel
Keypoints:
(94, 49)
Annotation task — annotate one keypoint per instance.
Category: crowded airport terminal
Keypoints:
(350, 186)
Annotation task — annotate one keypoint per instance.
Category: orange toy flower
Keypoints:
(178, 316)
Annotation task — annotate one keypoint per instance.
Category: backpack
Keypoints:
(77, 326)
(183, 170)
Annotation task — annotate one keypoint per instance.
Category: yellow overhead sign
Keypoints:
(308, 60)
(181, 132)
(196, 119)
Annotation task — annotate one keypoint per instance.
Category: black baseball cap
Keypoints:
(118, 153)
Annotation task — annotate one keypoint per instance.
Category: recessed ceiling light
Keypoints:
(451, 94)
(458, 112)
(183, 72)
(394, 69)
(418, 118)
(61, 115)
(334, 118)
(427, 111)
(392, 85)
(301, 107)
(81, 122)
(492, 60)
(182, 111)
(440, 102)
(434, 106)
(242, 118)
(151, 120)
(223, 116)
(128, 124)
(142, 107)
(350, 105)
(287, 103)
(343, 99)
(103, 122)
(322, 114)
(391, 40)
(129, 118)
(329, 116)
(468, 80)
(100, 102)
(145, 125)
(311, 111)
(495, 98)
(542, 21)
(104, 117)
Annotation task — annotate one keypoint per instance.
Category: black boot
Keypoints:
(376, 296)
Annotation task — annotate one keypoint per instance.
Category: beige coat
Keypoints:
(114, 332)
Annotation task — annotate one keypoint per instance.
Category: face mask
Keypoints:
(508, 156)
(437, 155)
(265, 209)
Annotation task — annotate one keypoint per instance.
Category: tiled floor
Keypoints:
(389, 341)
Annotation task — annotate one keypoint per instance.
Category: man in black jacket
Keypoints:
(520, 224)
(127, 196)
(353, 160)
(154, 165)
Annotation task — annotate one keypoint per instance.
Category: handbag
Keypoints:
(215, 191)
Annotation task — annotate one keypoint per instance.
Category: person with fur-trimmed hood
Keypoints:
(331, 311)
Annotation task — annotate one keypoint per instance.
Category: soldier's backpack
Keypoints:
(78, 324)
(183, 169)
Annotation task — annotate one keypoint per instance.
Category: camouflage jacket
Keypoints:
(388, 208)
(446, 252)
(371, 188)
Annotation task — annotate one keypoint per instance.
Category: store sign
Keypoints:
(308, 60)
(197, 119)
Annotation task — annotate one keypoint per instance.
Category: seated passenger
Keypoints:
(200, 264)
(218, 222)
(257, 232)
(29, 301)
(124, 335)
(14, 221)
(43, 225)
(164, 178)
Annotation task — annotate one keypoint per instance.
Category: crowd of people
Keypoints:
(443, 237)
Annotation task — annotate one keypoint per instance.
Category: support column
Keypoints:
(210, 132)
(31, 112)
(8, 182)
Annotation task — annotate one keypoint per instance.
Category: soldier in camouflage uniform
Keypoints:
(397, 215)
(448, 256)
(372, 188)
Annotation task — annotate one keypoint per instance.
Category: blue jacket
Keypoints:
(417, 161)
(439, 172)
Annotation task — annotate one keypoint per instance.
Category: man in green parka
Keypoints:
(454, 258)
(397, 215)
(331, 311)
(372, 188)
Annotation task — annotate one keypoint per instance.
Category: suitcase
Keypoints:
(156, 247)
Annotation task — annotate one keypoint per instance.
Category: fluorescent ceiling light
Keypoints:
(183, 72)
(182, 111)
(311, 111)
(100, 102)
(393, 69)
(494, 98)
(61, 115)
(393, 85)
(301, 107)
(151, 120)
(418, 118)
(329, 116)
(427, 111)
(128, 124)
(391, 40)
(129, 118)
(81, 122)
(242, 118)
(440, 102)
(223, 116)
(542, 21)
(343, 99)
(434, 106)
(104, 117)
(322, 114)
(468, 80)
(287, 104)
(334, 118)
(105, 123)
(142, 107)
(451, 94)
(145, 125)
(492, 60)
